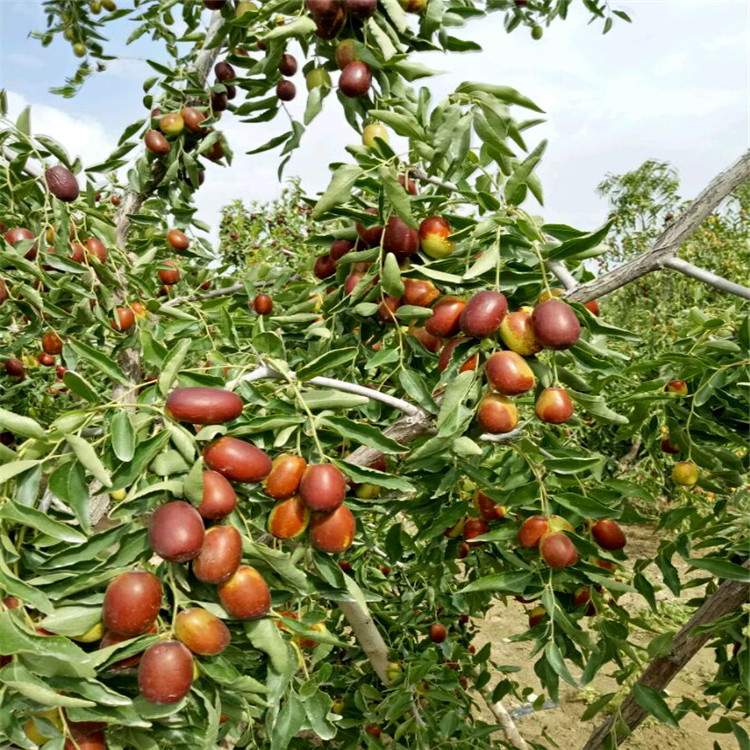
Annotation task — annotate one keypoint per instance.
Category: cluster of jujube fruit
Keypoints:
(307, 495)
(684, 473)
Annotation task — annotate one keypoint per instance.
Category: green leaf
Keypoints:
(87, 456)
(366, 475)
(11, 511)
(265, 636)
(13, 586)
(287, 723)
(512, 582)
(301, 27)
(580, 244)
(398, 198)
(722, 568)
(68, 483)
(596, 406)
(455, 394)
(329, 361)
(503, 93)
(363, 433)
(20, 425)
(415, 387)
(7, 471)
(23, 123)
(554, 657)
(396, 13)
(103, 363)
(71, 621)
(80, 386)
(123, 436)
(487, 261)
(18, 678)
(332, 399)
(172, 363)
(521, 175)
(648, 699)
(338, 190)
(405, 125)
(391, 277)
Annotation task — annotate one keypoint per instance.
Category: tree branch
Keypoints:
(729, 596)
(504, 720)
(224, 291)
(707, 277)
(559, 269)
(670, 240)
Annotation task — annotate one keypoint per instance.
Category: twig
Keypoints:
(559, 269)
(661, 671)
(503, 719)
(667, 244)
(419, 174)
(224, 291)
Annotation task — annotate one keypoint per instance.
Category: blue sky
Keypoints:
(674, 85)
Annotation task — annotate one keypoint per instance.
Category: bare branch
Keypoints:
(31, 170)
(559, 269)
(224, 291)
(660, 672)
(504, 720)
(368, 636)
(419, 174)
(670, 240)
(707, 277)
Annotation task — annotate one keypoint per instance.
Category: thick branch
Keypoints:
(564, 276)
(368, 636)
(707, 277)
(729, 596)
(670, 240)
(504, 720)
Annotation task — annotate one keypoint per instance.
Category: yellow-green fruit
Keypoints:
(109, 5)
(32, 731)
(94, 633)
(316, 78)
(337, 706)
(367, 491)
(79, 49)
(371, 132)
(243, 8)
(118, 495)
(172, 124)
(685, 473)
(96, 7)
(537, 33)
(394, 672)
(69, 34)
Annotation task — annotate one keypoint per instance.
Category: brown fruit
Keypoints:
(4, 294)
(176, 531)
(497, 414)
(554, 406)
(237, 460)
(193, 120)
(52, 343)
(131, 603)
(333, 532)
(532, 530)
(20, 234)
(517, 332)
(286, 90)
(124, 319)
(96, 247)
(361, 9)
(355, 79)
(475, 527)
(79, 252)
(219, 498)
(345, 53)
(285, 476)
(447, 355)
(165, 673)
(62, 183)
(438, 632)
(592, 306)
(220, 555)
(289, 518)
(46, 359)
(156, 143)
(444, 321)
(536, 616)
(509, 374)
(555, 325)
(203, 633)
(322, 487)
(387, 309)
(581, 596)
(245, 595)
(288, 65)
(370, 236)
(15, 368)
(329, 17)
(85, 735)
(557, 550)
(668, 446)
(399, 238)
(339, 248)
(219, 101)
(608, 535)
(483, 314)
(224, 71)
(408, 185)
(433, 237)
(487, 507)
(263, 304)
(177, 239)
(420, 293)
(428, 341)
(170, 275)
(350, 282)
(325, 266)
(214, 4)
(373, 730)
(202, 405)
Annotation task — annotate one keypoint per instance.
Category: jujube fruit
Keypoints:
(608, 535)
(685, 473)
(325, 266)
(245, 595)
(131, 603)
(446, 356)
(554, 406)
(532, 530)
(224, 71)
(438, 632)
(419, 292)
(203, 633)
(399, 238)
(15, 368)
(177, 239)
(203, 405)
(288, 65)
(176, 531)
(509, 374)
(220, 555)
(284, 478)
(62, 183)
(487, 507)
(156, 143)
(172, 124)
(322, 487)
(355, 79)
(370, 236)
(219, 498)
(557, 550)
(237, 460)
(483, 314)
(289, 518)
(333, 532)
(497, 414)
(165, 673)
(52, 343)
(555, 325)
(371, 131)
(171, 275)
(474, 527)
(193, 120)
(339, 248)
(286, 90)
(444, 321)
(345, 53)
(433, 237)
(123, 320)
(94, 246)
(263, 304)
(677, 386)
(517, 332)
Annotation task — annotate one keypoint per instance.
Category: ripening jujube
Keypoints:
(322, 487)
(245, 595)
(176, 531)
(219, 498)
(202, 405)
(131, 603)
(220, 555)
(165, 673)
(237, 460)
(333, 532)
